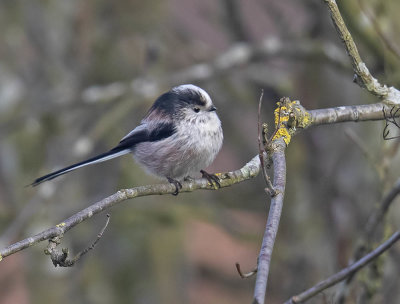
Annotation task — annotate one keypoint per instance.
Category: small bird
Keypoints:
(180, 135)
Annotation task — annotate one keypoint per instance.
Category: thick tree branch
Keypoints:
(344, 273)
(347, 113)
(264, 258)
(362, 75)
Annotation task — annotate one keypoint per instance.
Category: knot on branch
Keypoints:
(58, 258)
(289, 115)
(61, 258)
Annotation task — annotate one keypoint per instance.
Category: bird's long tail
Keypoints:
(116, 152)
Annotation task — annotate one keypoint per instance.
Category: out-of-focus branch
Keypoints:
(236, 56)
(372, 160)
(383, 208)
(386, 40)
(344, 273)
(234, 20)
(373, 221)
(362, 75)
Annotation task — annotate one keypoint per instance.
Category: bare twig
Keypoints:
(245, 275)
(61, 259)
(344, 273)
(261, 149)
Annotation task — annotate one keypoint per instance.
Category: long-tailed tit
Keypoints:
(180, 135)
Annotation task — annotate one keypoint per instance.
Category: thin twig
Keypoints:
(99, 236)
(278, 122)
(261, 149)
(61, 258)
(245, 275)
(344, 273)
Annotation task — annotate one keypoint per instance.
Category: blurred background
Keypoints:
(76, 76)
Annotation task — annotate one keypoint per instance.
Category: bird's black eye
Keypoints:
(196, 109)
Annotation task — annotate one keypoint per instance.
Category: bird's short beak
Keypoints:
(213, 108)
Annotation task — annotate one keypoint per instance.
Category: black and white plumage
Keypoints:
(180, 135)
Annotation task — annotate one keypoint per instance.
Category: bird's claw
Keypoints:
(177, 185)
(211, 178)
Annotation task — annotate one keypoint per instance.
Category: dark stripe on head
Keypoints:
(192, 97)
(172, 102)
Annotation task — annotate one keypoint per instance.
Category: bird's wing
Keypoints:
(147, 131)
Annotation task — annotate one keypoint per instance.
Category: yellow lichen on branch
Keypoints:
(289, 115)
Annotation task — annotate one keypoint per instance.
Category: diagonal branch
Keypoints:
(391, 46)
(373, 221)
(250, 170)
(344, 273)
